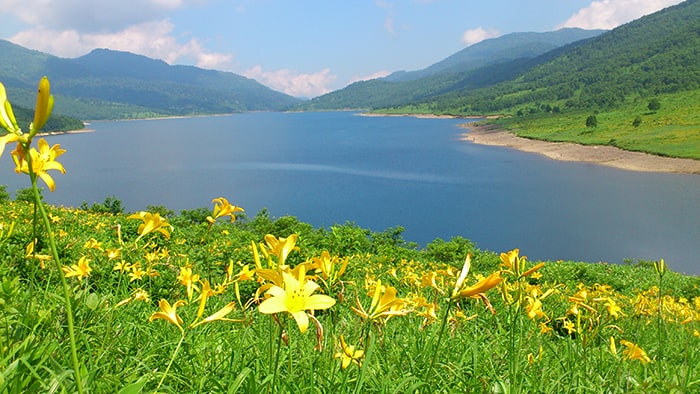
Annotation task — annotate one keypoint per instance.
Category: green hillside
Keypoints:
(655, 54)
(483, 64)
(107, 84)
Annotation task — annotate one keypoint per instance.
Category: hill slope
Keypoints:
(652, 55)
(111, 84)
(499, 50)
(479, 65)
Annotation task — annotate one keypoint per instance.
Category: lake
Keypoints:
(381, 172)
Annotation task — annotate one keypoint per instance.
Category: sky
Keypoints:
(304, 48)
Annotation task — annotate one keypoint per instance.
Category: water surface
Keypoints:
(380, 172)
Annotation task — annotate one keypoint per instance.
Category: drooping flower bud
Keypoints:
(44, 105)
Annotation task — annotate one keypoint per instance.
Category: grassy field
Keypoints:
(673, 130)
(404, 321)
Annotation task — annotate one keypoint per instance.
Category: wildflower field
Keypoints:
(210, 300)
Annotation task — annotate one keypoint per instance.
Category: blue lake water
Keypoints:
(380, 172)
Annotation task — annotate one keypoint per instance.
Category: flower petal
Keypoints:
(273, 305)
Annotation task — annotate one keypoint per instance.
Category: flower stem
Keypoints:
(172, 358)
(439, 338)
(66, 290)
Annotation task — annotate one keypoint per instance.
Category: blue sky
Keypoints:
(301, 47)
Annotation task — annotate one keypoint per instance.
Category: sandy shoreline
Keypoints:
(419, 116)
(565, 151)
(65, 132)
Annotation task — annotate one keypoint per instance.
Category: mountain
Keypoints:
(482, 64)
(655, 54)
(652, 55)
(499, 50)
(106, 84)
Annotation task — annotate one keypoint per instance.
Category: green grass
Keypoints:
(119, 349)
(673, 130)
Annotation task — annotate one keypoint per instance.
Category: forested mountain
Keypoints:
(503, 49)
(106, 84)
(655, 54)
(482, 64)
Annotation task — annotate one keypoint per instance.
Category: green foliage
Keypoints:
(654, 105)
(27, 194)
(591, 121)
(671, 132)
(4, 195)
(111, 205)
(162, 210)
(637, 121)
(197, 215)
(55, 123)
(122, 351)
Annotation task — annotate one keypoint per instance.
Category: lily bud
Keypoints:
(462, 276)
(7, 117)
(44, 105)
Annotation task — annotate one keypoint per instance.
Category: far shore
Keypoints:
(422, 116)
(45, 133)
(566, 151)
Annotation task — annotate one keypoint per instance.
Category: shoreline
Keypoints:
(50, 133)
(419, 116)
(567, 151)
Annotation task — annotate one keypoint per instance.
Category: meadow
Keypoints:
(209, 300)
(670, 130)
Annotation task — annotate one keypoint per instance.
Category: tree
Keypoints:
(654, 105)
(591, 121)
(637, 121)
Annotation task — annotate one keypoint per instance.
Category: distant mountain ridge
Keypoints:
(654, 54)
(498, 50)
(107, 84)
(482, 64)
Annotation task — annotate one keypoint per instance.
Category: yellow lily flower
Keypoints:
(634, 352)
(223, 208)
(428, 280)
(348, 354)
(534, 308)
(42, 160)
(80, 270)
(281, 247)
(151, 222)
(139, 295)
(168, 313)
(383, 305)
(188, 280)
(480, 287)
(296, 298)
(516, 264)
(6, 139)
(219, 315)
(327, 265)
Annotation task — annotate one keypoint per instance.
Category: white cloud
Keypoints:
(389, 19)
(608, 14)
(153, 39)
(378, 74)
(471, 37)
(89, 16)
(293, 83)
